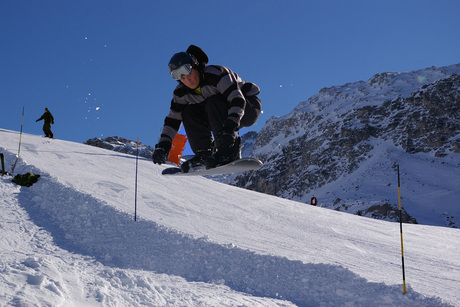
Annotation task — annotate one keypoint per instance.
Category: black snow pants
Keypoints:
(202, 121)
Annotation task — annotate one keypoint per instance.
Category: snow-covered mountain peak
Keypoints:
(379, 88)
(325, 144)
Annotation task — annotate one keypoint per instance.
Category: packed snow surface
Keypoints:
(71, 240)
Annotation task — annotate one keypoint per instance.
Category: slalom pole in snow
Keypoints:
(135, 185)
(401, 231)
(19, 149)
(2, 157)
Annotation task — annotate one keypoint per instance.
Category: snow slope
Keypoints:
(71, 240)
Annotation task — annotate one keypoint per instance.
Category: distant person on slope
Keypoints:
(49, 119)
(213, 103)
(313, 201)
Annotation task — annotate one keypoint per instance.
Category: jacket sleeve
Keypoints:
(172, 122)
(235, 90)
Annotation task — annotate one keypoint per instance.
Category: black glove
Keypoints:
(228, 135)
(161, 153)
(230, 126)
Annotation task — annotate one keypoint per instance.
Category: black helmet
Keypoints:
(180, 59)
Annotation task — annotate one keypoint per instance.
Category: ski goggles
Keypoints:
(183, 70)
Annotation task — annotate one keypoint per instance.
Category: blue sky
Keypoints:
(101, 66)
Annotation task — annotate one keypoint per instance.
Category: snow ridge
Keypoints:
(97, 230)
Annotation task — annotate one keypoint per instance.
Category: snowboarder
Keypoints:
(213, 103)
(49, 119)
(313, 201)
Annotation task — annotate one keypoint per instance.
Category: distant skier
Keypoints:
(313, 201)
(49, 119)
(213, 103)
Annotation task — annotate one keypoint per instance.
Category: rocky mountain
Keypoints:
(363, 128)
(247, 141)
(123, 145)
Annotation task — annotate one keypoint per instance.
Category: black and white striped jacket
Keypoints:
(214, 80)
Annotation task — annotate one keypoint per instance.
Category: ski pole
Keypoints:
(3, 163)
(401, 231)
(135, 185)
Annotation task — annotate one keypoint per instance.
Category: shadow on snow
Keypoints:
(82, 224)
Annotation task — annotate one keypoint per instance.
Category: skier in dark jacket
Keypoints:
(213, 103)
(49, 119)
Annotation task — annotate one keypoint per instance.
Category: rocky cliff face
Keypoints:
(120, 144)
(336, 132)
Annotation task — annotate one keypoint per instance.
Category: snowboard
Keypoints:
(241, 165)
